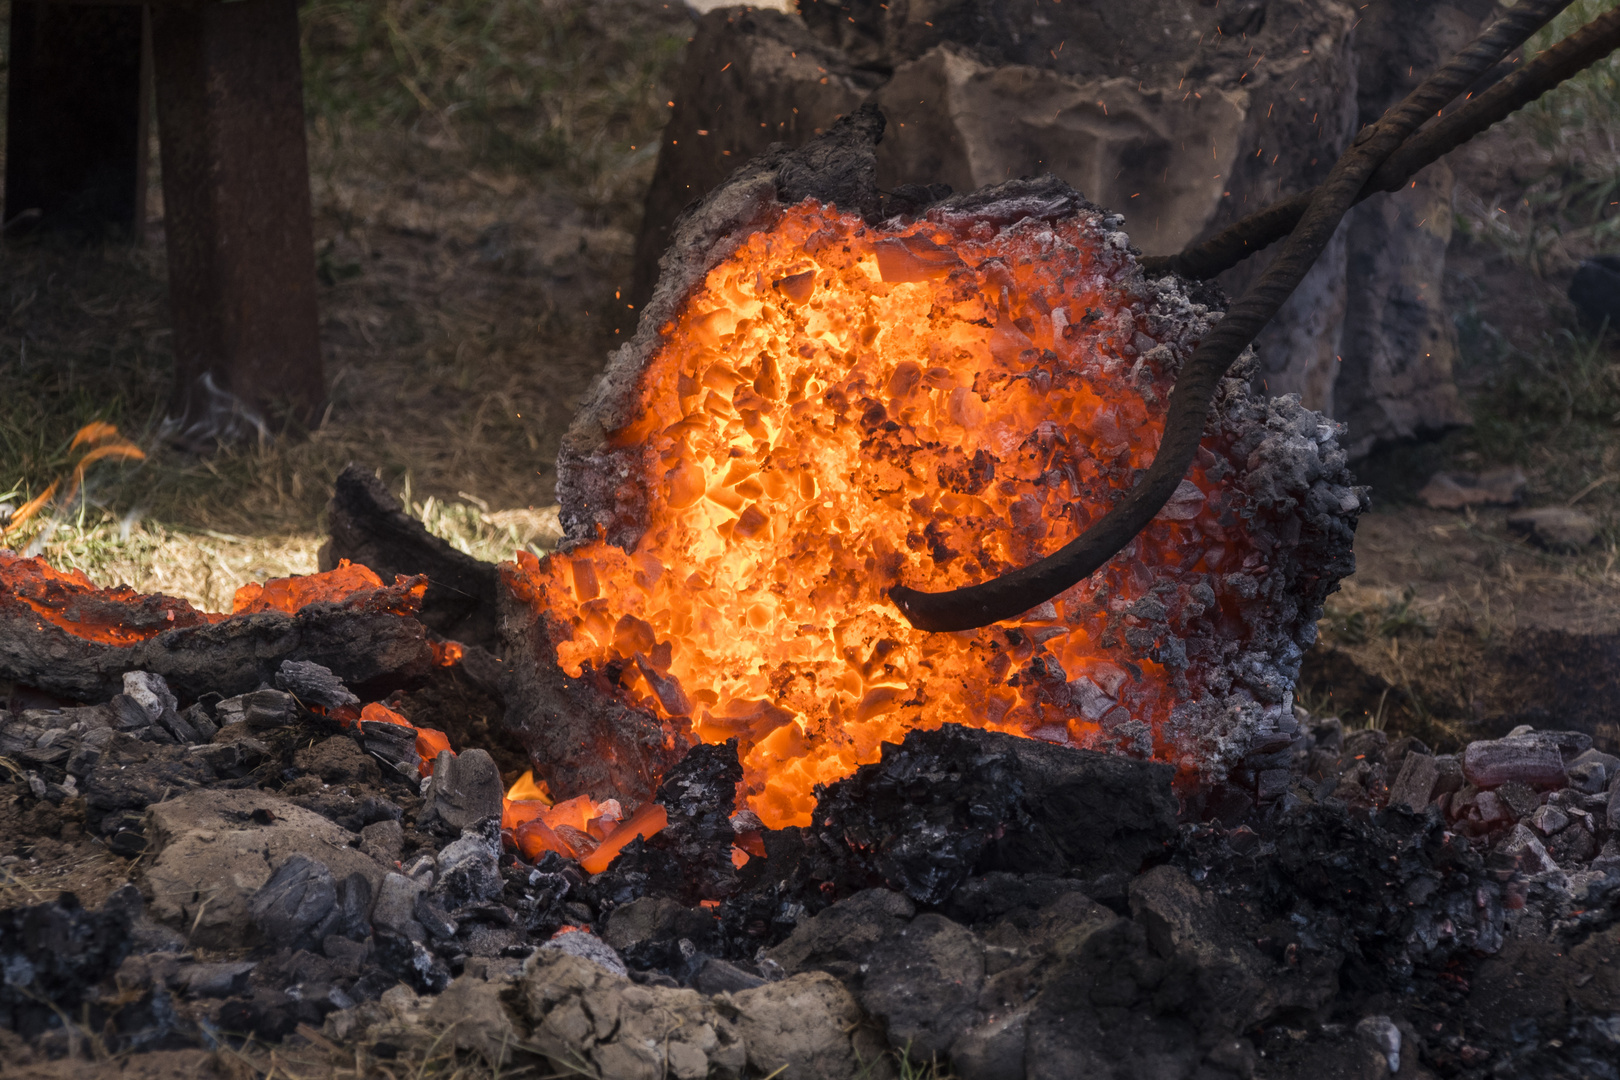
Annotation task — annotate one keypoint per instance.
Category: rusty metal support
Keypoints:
(237, 216)
(76, 118)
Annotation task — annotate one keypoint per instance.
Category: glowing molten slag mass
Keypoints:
(840, 408)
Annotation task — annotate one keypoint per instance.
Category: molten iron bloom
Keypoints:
(839, 408)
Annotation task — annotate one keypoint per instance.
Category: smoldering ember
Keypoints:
(763, 825)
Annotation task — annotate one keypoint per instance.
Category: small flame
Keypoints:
(106, 443)
(527, 789)
(573, 828)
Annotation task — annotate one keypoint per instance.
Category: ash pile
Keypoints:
(1346, 904)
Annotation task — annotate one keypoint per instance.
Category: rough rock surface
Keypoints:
(803, 1028)
(1182, 117)
(1396, 349)
(211, 851)
(1558, 528)
(624, 1030)
(977, 93)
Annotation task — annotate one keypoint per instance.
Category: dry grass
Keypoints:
(477, 174)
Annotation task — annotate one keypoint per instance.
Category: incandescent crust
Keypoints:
(1299, 501)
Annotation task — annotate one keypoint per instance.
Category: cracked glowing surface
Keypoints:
(842, 408)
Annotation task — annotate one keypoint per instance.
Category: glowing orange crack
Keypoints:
(838, 409)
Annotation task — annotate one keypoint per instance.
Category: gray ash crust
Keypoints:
(1019, 908)
(1301, 513)
(1300, 499)
(1282, 935)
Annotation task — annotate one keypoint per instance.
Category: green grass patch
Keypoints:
(540, 86)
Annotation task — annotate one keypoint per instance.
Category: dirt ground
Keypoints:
(1453, 627)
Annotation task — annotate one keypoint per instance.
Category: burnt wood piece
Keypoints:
(944, 805)
(237, 218)
(368, 527)
(230, 657)
(76, 118)
(581, 738)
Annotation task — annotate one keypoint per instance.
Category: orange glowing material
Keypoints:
(840, 408)
(447, 653)
(430, 742)
(350, 584)
(534, 838)
(70, 601)
(572, 828)
(752, 843)
(378, 713)
(122, 616)
(97, 431)
(648, 819)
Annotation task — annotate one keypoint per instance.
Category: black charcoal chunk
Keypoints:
(947, 804)
(198, 719)
(54, 954)
(721, 977)
(299, 897)
(394, 744)
(213, 980)
(430, 912)
(395, 908)
(469, 867)
(269, 709)
(689, 860)
(313, 684)
(411, 962)
(465, 790)
(352, 911)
